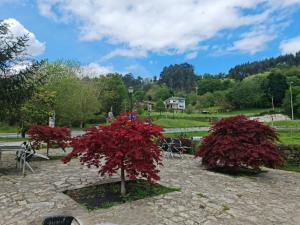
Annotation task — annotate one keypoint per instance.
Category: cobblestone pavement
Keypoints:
(206, 198)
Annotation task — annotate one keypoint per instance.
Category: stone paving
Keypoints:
(206, 198)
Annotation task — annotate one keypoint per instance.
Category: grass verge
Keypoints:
(290, 167)
(2, 139)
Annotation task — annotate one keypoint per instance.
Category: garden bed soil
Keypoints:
(108, 194)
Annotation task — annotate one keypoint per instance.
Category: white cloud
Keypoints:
(290, 46)
(252, 42)
(34, 46)
(191, 55)
(95, 70)
(167, 27)
(153, 25)
(131, 53)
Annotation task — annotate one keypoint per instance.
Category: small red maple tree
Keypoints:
(39, 134)
(126, 145)
(238, 142)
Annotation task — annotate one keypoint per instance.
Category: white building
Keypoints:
(177, 103)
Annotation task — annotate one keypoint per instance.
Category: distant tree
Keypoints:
(178, 77)
(87, 102)
(160, 106)
(139, 96)
(111, 93)
(248, 94)
(162, 92)
(37, 110)
(76, 99)
(286, 103)
(191, 99)
(132, 150)
(189, 109)
(130, 81)
(209, 85)
(241, 71)
(205, 101)
(156, 92)
(275, 87)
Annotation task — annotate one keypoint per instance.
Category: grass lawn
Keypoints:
(12, 139)
(290, 167)
(108, 195)
(286, 136)
(289, 136)
(247, 112)
(187, 134)
(5, 128)
(286, 123)
(180, 123)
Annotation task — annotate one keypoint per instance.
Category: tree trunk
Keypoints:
(23, 133)
(47, 149)
(123, 188)
(272, 98)
(81, 124)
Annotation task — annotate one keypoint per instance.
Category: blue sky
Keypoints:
(142, 36)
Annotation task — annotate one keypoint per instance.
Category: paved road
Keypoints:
(166, 130)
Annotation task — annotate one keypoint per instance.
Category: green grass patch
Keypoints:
(186, 134)
(108, 195)
(225, 207)
(2, 139)
(180, 123)
(288, 123)
(289, 136)
(212, 113)
(290, 167)
(285, 136)
(5, 128)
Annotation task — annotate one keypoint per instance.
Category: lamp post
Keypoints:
(292, 107)
(130, 91)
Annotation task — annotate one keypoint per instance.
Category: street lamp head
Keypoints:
(130, 90)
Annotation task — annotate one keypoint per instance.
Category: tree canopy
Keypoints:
(178, 77)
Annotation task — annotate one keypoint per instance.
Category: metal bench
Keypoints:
(24, 154)
(172, 147)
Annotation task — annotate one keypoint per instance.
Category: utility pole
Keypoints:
(130, 91)
(292, 107)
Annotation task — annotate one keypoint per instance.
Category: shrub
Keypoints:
(238, 142)
(97, 119)
(52, 136)
(126, 145)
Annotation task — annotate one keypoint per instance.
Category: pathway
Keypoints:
(206, 198)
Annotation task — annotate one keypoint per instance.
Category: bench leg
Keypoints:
(28, 165)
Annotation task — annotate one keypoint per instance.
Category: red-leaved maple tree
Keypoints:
(238, 142)
(125, 145)
(39, 134)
